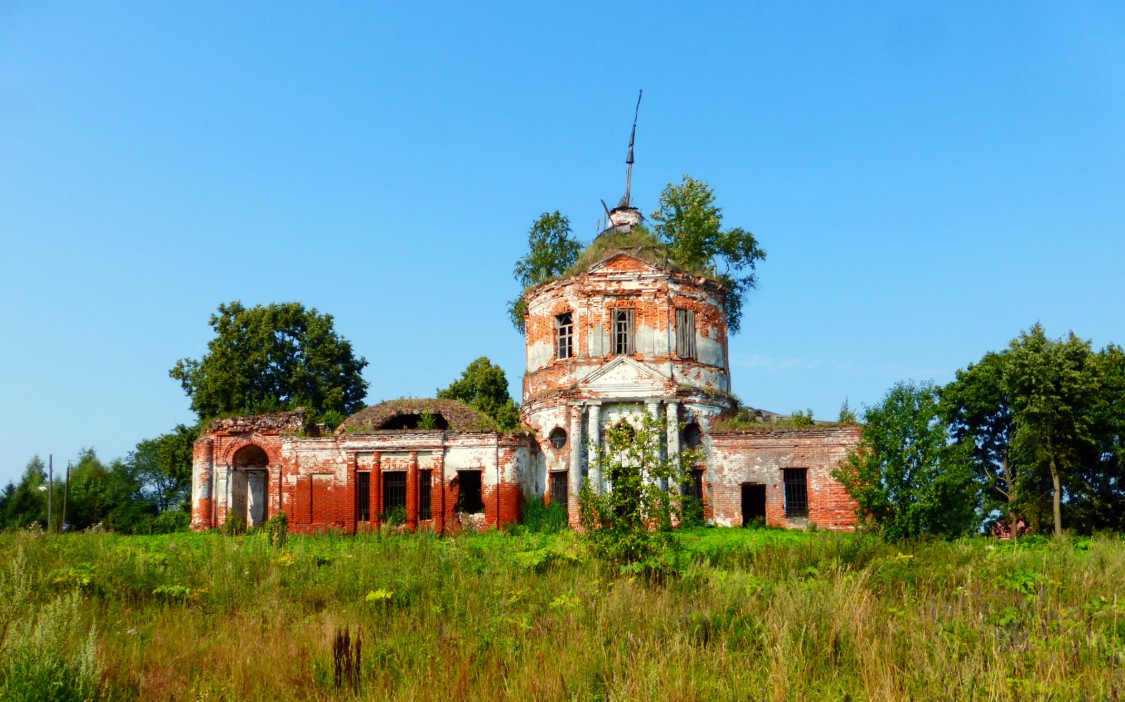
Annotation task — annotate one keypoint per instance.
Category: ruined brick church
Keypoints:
(621, 337)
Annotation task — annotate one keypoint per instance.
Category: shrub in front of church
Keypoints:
(630, 522)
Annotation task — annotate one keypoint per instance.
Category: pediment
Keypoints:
(624, 263)
(624, 377)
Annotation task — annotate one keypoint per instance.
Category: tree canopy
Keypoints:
(906, 476)
(164, 465)
(551, 251)
(1041, 426)
(270, 358)
(1054, 387)
(485, 386)
(977, 407)
(691, 227)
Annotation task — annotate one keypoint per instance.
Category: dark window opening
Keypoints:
(558, 437)
(559, 487)
(693, 436)
(469, 494)
(623, 331)
(394, 493)
(685, 333)
(424, 420)
(251, 457)
(695, 487)
(363, 497)
(624, 427)
(425, 483)
(564, 327)
(796, 492)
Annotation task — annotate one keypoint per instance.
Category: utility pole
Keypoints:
(50, 487)
(65, 494)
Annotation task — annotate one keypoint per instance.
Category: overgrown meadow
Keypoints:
(753, 614)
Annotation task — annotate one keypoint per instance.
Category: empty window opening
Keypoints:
(363, 496)
(623, 331)
(558, 437)
(796, 492)
(425, 420)
(394, 494)
(625, 428)
(251, 457)
(559, 487)
(693, 436)
(695, 487)
(685, 333)
(564, 327)
(425, 486)
(469, 494)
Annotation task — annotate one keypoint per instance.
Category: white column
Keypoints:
(654, 412)
(593, 438)
(574, 474)
(673, 415)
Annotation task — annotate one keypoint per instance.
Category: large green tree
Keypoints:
(24, 502)
(164, 465)
(485, 386)
(1054, 386)
(977, 406)
(905, 474)
(1097, 490)
(273, 357)
(551, 251)
(691, 227)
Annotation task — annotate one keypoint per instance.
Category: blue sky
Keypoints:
(928, 179)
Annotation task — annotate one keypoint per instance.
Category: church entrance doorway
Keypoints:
(249, 482)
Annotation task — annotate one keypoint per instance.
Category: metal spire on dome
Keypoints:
(624, 217)
(629, 158)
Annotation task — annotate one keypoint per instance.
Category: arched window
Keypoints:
(693, 435)
(564, 336)
(251, 457)
(558, 437)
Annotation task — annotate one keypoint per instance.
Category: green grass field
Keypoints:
(755, 615)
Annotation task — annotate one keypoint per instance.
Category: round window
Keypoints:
(558, 437)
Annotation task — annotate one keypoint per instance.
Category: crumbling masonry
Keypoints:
(623, 337)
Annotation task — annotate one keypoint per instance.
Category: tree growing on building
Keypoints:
(691, 227)
(484, 386)
(551, 251)
(273, 357)
(906, 476)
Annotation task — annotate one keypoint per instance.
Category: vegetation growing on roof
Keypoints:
(417, 414)
(748, 418)
(551, 251)
(691, 226)
(687, 236)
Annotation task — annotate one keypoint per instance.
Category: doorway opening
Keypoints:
(753, 504)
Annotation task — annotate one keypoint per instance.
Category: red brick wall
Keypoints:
(759, 456)
(313, 479)
(622, 281)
